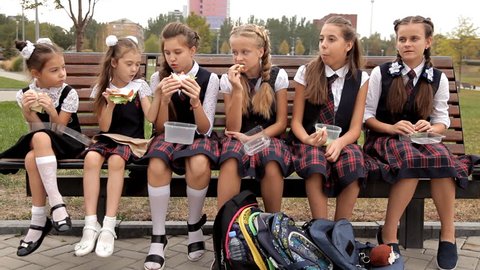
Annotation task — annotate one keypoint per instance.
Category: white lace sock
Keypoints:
(106, 240)
(196, 199)
(39, 217)
(89, 235)
(158, 197)
(47, 167)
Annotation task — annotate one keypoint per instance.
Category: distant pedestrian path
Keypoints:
(19, 76)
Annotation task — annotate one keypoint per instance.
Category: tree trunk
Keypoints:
(79, 38)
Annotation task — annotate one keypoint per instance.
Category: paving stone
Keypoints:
(415, 264)
(13, 263)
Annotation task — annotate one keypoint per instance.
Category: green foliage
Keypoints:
(152, 44)
(284, 48)
(299, 48)
(200, 25)
(17, 64)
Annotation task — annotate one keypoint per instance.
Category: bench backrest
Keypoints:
(82, 69)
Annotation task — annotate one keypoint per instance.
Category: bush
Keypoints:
(17, 64)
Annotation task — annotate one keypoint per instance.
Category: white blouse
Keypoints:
(337, 85)
(280, 83)
(440, 100)
(70, 103)
(211, 95)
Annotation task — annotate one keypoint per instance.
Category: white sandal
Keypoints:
(84, 247)
(105, 249)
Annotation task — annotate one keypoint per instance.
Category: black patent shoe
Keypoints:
(154, 258)
(26, 248)
(196, 246)
(61, 225)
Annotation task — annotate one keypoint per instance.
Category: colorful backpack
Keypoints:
(237, 215)
(287, 246)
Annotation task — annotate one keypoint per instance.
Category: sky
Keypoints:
(373, 16)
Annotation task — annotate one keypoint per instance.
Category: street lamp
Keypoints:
(37, 25)
(293, 46)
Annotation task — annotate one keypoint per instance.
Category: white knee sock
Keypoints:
(39, 217)
(47, 167)
(158, 197)
(107, 239)
(196, 199)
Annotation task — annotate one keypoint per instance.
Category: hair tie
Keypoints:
(44, 41)
(133, 38)
(27, 50)
(111, 40)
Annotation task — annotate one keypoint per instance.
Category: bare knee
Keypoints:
(41, 140)
(198, 166)
(157, 171)
(115, 162)
(93, 160)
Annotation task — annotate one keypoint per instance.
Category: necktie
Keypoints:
(409, 86)
(252, 83)
(327, 113)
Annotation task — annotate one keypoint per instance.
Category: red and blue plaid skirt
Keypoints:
(254, 166)
(393, 159)
(349, 166)
(107, 148)
(174, 154)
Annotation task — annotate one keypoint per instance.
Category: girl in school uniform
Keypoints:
(119, 121)
(330, 90)
(48, 102)
(189, 100)
(408, 96)
(255, 94)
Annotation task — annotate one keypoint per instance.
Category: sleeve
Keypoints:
(300, 75)
(225, 85)
(365, 78)
(70, 103)
(373, 94)
(94, 92)
(154, 81)
(210, 100)
(440, 103)
(19, 97)
(144, 90)
(282, 80)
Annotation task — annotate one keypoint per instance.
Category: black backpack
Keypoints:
(227, 217)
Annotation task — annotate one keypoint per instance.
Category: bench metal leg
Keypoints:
(102, 200)
(411, 225)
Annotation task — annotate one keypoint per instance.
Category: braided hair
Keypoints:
(262, 100)
(397, 96)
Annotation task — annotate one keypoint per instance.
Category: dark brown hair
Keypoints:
(40, 55)
(397, 96)
(263, 99)
(316, 90)
(123, 46)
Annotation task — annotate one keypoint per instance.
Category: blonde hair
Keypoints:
(123, 46)
(316, 90)
(262, 100)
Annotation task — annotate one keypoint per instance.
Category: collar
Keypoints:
(341, 72)
(133, 84)
(34, 86)
(418, 69)
(193, 72)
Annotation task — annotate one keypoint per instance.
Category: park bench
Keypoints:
(82, 69)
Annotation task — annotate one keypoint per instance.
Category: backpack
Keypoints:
(237, 215)
(287, 246)
(337, 241)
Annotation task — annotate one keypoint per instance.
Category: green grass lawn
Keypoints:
(12, 84)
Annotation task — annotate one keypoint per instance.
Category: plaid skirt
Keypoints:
(107, 147)
(349, 166)
(393, 159)
(254, 166)
(174, 154)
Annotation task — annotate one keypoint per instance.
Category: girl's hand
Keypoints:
(318, 138)
(46, 102)
(168, 87)
(234, 73)
(403, 127)
(191, 88)
(333, 150)
(238, 135)
(422, 126)
(106, 95)
(28, 99)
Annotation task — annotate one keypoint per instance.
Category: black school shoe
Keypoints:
(64, 224)
(447, 256)
(26, 248)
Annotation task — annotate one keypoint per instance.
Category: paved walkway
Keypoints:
(56, 252)
(9, 94)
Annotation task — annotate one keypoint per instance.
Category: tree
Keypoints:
(200, 25)
(155, 26)
(80, 20)
(299, 48)
(284, 48)
(225, 47)
(152, 44)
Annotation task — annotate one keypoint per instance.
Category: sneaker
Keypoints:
(447, 256)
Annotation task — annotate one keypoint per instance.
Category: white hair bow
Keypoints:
(111, 40)
(133, 38)
(27, 50)
(44, 41)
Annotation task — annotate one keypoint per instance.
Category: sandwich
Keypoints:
(122, 96)
(181, 77)
(35, 106)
